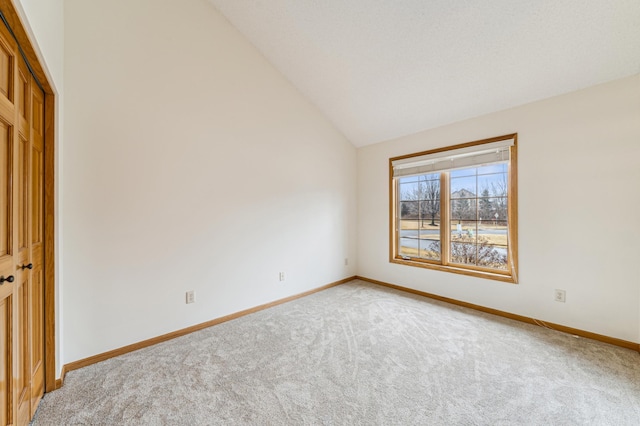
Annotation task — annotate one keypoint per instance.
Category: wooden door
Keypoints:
(21, 238)
(8, 283)
(35, 266)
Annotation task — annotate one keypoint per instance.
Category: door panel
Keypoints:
(36, 195)
(6, 72)
(6, 349)
(22, 382)
(6, 163)
(36, 198)
(36, 371)
(21, 238)
(23, 195)
(7, 238)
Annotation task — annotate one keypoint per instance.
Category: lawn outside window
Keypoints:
(455, 209)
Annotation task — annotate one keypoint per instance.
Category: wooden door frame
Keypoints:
(24, 41)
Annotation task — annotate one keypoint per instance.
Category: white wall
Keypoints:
(190, 164)
(579, 170)
(44, 22)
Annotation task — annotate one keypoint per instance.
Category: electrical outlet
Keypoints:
(191, 297)
(281, 276)
(560, 295)
(346, 261)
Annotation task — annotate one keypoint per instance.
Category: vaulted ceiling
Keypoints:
(380, 69)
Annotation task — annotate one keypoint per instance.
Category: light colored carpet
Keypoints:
(358, 354)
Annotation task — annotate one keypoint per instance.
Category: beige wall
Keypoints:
(579, 170)
(45, 21)
(190, 164)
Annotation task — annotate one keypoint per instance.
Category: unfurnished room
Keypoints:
(340, 212)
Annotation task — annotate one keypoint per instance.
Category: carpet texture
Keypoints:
(358, 354)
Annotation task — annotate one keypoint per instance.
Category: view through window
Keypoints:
(455, 208)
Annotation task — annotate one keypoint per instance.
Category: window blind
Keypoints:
(471, 156)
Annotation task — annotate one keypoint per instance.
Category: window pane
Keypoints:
(492, 209)
(431, 250)
(499, 208)
(430, 190)
(462, 172)
(463, 242)
(430, 211)
(480, 253)
(486, 209)
(464, 187)
(464, 227)
(430, 239)
(493, 168)
(407, 247)
(490, 256)
(409, 210)
(494, 184)
(409, 191)
(463, 251)
(480, 243)
(463, 209)
(433, 176)
(430, 208)
(494, 234)
(419, 234)
(409, 232)
(423, 189)
(409, 179)
(422, 243)
(478, 217)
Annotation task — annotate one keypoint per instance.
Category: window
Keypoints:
(455, 209)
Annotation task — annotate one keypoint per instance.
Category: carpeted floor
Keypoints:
(358, 354)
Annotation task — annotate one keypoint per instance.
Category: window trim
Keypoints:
(511, 274)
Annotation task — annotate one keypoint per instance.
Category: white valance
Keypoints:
(470, 156)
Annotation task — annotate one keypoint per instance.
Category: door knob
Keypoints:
(29, 266)
(8, 279)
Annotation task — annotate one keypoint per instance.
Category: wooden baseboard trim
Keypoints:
(570, 330)
(163, 338)
(60, 381)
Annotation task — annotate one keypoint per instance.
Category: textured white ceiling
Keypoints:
(380, 69)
